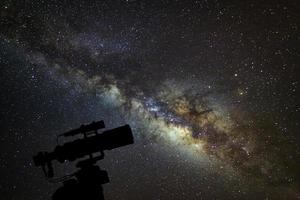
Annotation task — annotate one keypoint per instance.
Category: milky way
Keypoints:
(213, 83)
(183, 114)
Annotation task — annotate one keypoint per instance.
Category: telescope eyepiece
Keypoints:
(39, 159)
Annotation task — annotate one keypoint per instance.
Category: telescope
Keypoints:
(91, 143)
(79, 148)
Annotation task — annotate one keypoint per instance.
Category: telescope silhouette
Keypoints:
(88, 181)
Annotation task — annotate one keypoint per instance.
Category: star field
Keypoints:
(210, 89)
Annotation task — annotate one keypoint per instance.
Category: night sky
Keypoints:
(210, 89)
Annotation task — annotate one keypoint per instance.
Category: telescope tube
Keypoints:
(71, 151)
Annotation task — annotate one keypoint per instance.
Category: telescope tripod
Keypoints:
(86, 186)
